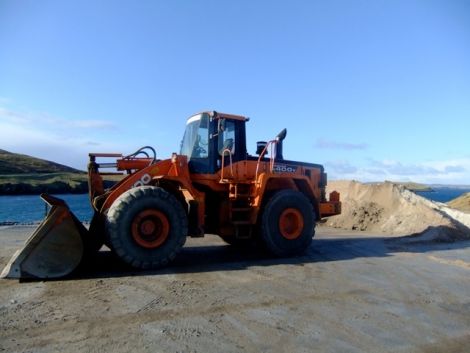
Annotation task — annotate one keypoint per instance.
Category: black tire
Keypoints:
(147, 227)
(294, 235)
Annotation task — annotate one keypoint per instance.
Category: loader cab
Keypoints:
(211, 136)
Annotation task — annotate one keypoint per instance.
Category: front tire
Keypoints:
(147, 227)
(288, 223)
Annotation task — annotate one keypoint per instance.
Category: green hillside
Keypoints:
(37, 183)
(413, 186)
(14, 163)
(21, 174)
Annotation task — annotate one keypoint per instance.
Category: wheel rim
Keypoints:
(150, 229)
(291, 223)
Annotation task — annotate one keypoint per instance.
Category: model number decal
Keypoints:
(144, 180)
(282, 168)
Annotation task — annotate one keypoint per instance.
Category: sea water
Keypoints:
(443, 194)
(31, 208)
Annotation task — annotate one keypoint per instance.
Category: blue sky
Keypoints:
(373, 90)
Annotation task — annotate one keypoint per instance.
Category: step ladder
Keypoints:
(240, 208)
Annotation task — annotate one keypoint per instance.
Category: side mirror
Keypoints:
(221, 125)
(220, 128)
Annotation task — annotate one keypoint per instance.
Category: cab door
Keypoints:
(231, 146)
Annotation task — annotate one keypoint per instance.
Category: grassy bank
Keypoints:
(53, 183)
(34, 183)
(414, 186)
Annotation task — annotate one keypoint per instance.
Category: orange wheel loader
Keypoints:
(212, 186)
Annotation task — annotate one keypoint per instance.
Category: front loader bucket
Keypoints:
(54, 249)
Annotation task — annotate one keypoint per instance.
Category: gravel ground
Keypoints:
(351, 292)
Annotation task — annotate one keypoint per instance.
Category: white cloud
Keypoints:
(45, 121)
(91, 124)
(61, 140)
(455, 171)
(12, 134)
(12, 117)
(398, 168)
(92, 143)
(337, 145)
(4, 100)
(340, 167)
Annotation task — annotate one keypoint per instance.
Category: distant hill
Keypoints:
(14, 163)
(412, 186)
(461, 203)
(21, 175)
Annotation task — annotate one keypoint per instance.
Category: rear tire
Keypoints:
(288, 223)
(147, 227)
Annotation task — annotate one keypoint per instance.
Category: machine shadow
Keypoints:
(212, 258)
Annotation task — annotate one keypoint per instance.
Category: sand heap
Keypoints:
(391, 209)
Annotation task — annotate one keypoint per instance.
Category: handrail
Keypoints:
(223, 162)
(271, 143)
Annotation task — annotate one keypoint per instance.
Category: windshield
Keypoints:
(196, 137)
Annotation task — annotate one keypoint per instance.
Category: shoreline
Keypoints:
(64, 192)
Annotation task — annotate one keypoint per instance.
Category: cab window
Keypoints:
(226, 140)
(195, 142)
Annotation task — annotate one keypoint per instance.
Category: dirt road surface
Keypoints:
(351, 292)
